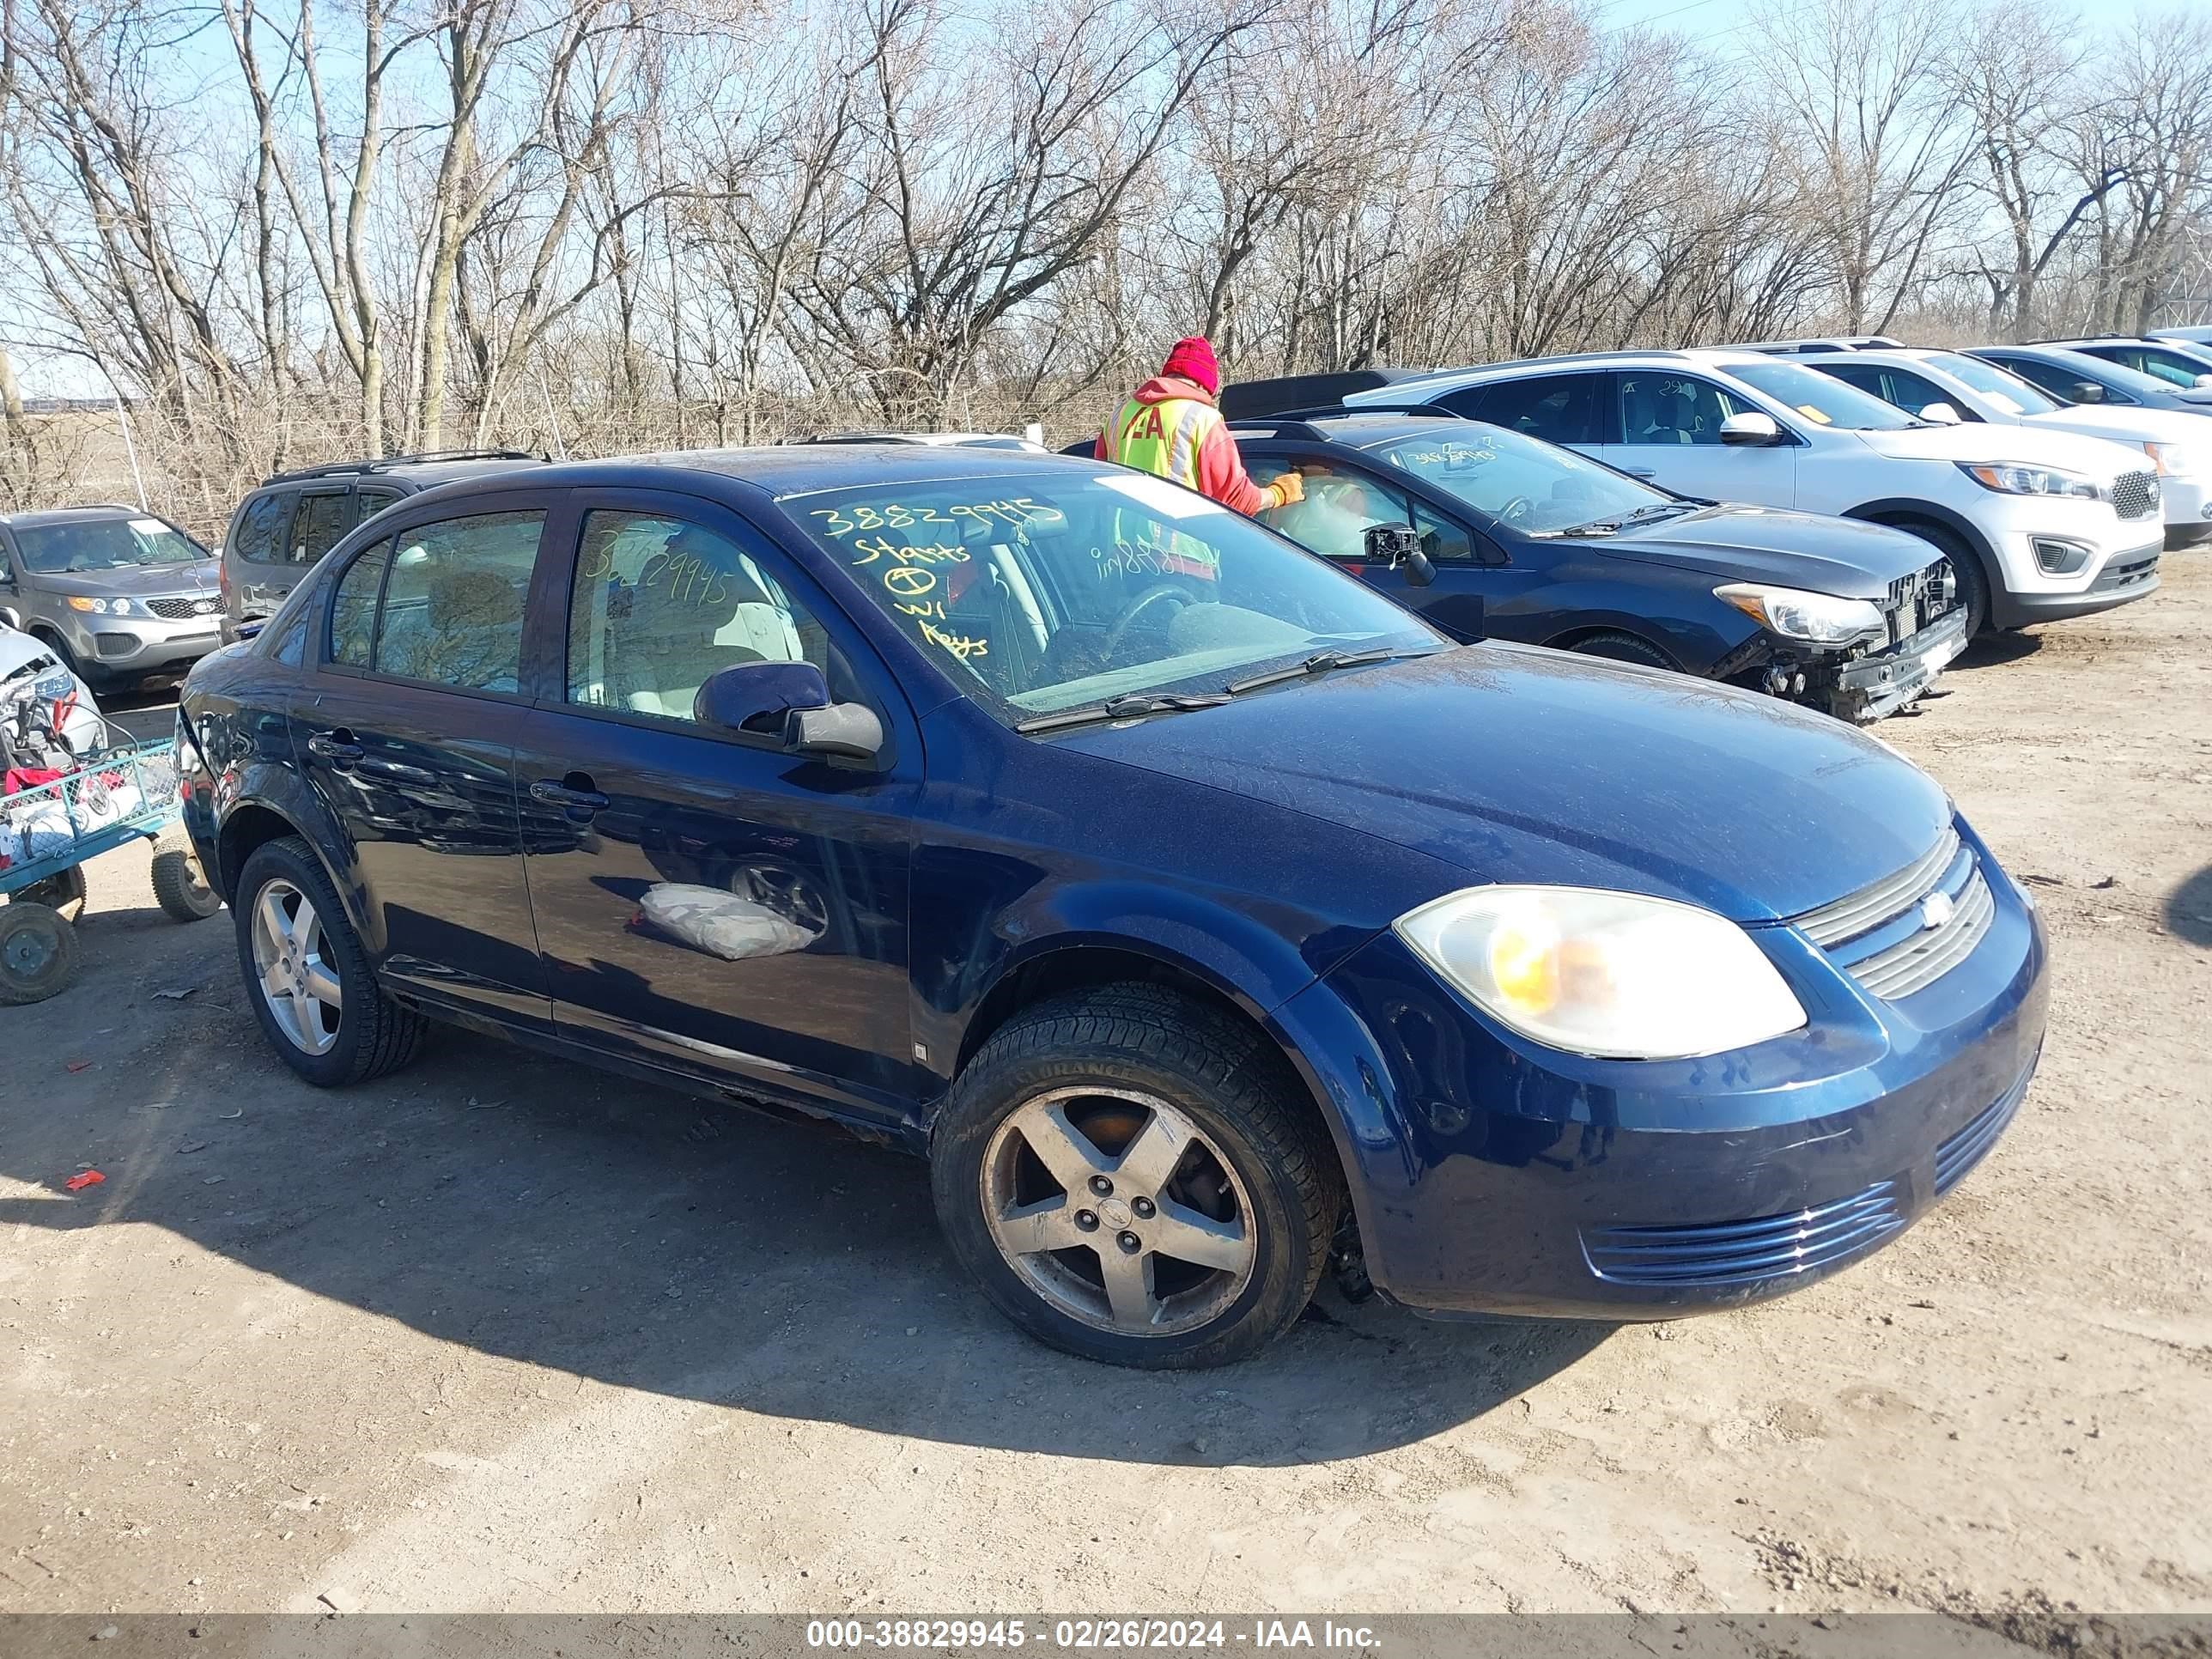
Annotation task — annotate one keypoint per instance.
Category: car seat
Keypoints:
(474, 632)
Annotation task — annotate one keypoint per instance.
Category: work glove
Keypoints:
(1286, 490)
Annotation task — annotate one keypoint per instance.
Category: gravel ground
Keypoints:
(501, 1335)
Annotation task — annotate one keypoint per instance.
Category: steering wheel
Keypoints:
(1516, 509)
(1136, 608)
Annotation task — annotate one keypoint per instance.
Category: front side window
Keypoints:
(1912, 394)
(257, 538)
(1053, 589)
(452, 604)
(1560, 409)
(2171, 367)
(1339, 507)
(93, 544)
(660, 606)
(1823, 401)
(1669, 408)
(1536, 487)
(2011, 394)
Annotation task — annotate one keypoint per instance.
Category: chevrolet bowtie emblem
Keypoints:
(1936, 909)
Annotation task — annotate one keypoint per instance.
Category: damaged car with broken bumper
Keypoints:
(1524, 540)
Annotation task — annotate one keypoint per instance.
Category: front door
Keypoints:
(1670, 433)
(706, 902)
(409, 741)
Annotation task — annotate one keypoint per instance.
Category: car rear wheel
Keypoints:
(1130, 1177)
(314, 991)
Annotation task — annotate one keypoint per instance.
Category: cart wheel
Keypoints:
(179, 886)
(38, 952)
(63, 892)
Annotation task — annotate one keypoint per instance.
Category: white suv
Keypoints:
(1928, 382)
(2038, 525)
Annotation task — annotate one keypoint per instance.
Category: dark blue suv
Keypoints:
(1203, 917)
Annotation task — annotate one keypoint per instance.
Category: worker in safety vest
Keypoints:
(1172, 429)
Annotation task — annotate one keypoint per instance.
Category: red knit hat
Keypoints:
(1193, 358)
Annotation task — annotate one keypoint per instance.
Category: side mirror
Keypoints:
(1940, 414)
(1398, 547)
(789, 700)
(1753, 428)
(2088, 392)
(2201, 381)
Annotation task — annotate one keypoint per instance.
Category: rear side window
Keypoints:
(353, 611)
(453, 605)
(317, 527)
(257, 538)
(1560, 409)
(370, 502)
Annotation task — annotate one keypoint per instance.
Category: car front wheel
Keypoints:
(1137, 1179)
(311, 986)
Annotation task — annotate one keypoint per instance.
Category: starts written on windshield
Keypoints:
(1043, 592)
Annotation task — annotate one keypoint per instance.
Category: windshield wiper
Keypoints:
(1122, 708)
(1320, 662)
(1606, 526)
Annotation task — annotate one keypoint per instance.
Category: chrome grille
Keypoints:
(1746, 1252)
(2135, 494)
(181, 609)
(1916, 925)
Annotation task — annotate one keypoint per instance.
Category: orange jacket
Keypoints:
(1221, 473)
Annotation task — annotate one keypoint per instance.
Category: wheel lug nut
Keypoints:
(1130, 1242)
(1143, 1206)
(1101, 1186)
(1086, 1220)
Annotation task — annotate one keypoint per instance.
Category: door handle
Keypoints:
(578, 799)
(337, 747)
(1641, 471)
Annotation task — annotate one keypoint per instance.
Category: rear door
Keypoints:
(256, 554)
(409, 743)
(706, 902)
(1670, 433)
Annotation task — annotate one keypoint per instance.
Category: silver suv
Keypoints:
(120, 594)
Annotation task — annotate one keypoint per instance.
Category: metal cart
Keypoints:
(49, 832)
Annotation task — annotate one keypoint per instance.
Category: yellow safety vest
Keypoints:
(1163, 438)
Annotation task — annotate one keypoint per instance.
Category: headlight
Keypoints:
(2018, 479)
(78, 602)
(2172, 460)
(1614, 975)
(1821, 618)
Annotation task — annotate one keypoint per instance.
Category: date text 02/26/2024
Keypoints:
(1089, 1635)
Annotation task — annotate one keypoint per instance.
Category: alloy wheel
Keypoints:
(1119, 1211)
(290, 959)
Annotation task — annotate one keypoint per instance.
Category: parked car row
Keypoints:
(1208, 921)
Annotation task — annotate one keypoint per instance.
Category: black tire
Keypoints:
(179, 887)
(1623, 648)
(375, 1033)
(1966, 572)
(38, 952)
(63, 892)
(1223, 1078)
(92, 677)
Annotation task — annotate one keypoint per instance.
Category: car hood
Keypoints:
(2130, 427)
(1843, 556)
(1519, 764)
(1984, 442)
(142, 581)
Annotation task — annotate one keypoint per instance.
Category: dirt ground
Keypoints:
(499, 1334)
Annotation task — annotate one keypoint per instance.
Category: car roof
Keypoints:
(91, 513)
(796, 468)
(1353, 428)
(423, 471)
(1719, 357)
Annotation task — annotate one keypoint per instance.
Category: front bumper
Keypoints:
(1866, 688)
(2123, 579)
(2193, 534)
(127, 647)
(1491, 1175)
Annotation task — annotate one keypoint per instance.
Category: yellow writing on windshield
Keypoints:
(857, 518)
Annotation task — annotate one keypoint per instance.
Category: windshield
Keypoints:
(1824, 401)
(55, 549)
(2007, 391)
(1047, 590)
(1535, 486)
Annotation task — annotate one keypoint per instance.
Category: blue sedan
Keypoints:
(1204, 918)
